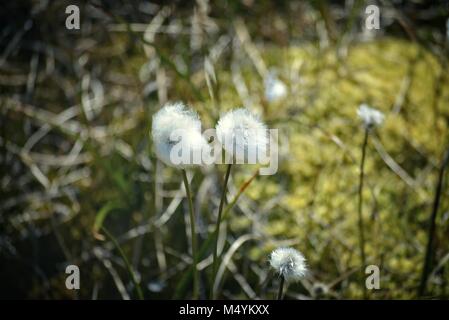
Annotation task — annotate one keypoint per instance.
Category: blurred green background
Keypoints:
(75, 150)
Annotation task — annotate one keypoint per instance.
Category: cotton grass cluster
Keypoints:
(243, 136)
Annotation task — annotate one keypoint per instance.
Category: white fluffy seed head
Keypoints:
(275, 89)
(242, 133)
(370, 117)
(289, 263)
(176, 124)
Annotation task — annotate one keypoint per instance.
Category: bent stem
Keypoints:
(360, 216)
(281, 288)
(193, 236)
(431, 233)
(127, 264)
(217, 228)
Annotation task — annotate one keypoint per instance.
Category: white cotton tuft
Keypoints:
(243, 134)
(289, 263)
(275, 89)
(178, 128)
(370, 117)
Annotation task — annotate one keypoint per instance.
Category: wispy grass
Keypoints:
(193, 236)
(217, 228)
(129, 268)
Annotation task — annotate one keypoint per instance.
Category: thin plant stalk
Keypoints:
(127, 264)
(281, 288)
(217, 227)
(431, 232)
(208, 243)
(193, 237)
(360, 216)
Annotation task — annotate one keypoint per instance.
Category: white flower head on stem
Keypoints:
(275, 89)
(242, 133)
(176, 127)
(370, 117)
(289, 263)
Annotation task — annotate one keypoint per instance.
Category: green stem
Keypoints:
(193, 236)
(430, 241)
(281, 288)
(127, 264)
(360, 216)
(217, 229)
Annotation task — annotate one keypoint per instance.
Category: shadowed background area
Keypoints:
(76, 155)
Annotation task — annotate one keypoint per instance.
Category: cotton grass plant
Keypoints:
(241, 134)
(289, 264)
(173, 124)
(370, 118)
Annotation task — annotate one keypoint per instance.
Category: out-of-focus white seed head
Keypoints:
(275, 89)
(370, 117)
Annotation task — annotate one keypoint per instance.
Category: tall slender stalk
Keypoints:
(193, 236)
(360, 216)
(281, 288)
(431, 232)
(127, 264)
(217, 228)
